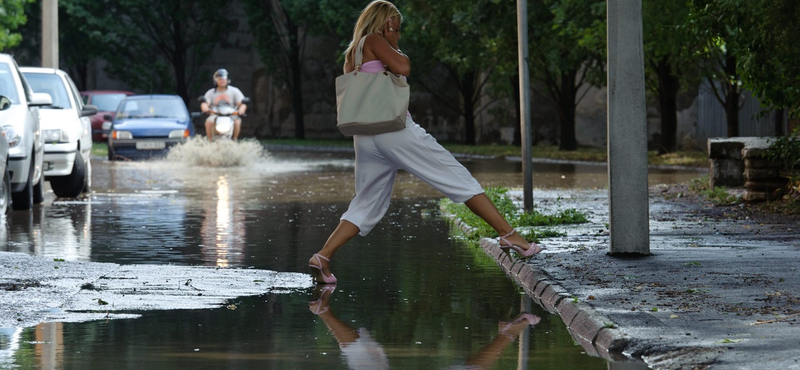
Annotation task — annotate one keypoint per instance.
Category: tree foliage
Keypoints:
(567, 53)
(459, 39)
(153, 46)
(12, 16)
(280, 29)
(668, 60)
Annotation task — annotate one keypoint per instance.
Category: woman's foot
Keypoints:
(515, 241)
(320, 269)
(320, 305)
(512, 328)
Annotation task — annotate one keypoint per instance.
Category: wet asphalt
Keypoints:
(720, 289)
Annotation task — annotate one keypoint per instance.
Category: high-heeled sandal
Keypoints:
(318, 310)
(503, 326)
(318, 275)
(524, 253)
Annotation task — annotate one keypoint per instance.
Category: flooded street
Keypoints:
(417, 297)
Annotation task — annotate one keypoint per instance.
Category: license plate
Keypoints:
(150, 145)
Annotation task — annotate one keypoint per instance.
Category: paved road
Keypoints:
(720, 290)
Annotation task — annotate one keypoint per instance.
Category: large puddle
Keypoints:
(409, 295)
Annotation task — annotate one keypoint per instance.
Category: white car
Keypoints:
(67, 131)
(21, 125)
(5, 185)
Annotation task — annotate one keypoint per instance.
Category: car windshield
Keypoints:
(107, 102)
(7, 86)
(152, 108)
(50, 84)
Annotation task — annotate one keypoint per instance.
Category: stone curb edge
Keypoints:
(597, 334)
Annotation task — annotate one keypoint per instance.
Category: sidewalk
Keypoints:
(720, 289)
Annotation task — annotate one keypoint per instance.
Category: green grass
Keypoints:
(100, 149)
(683, 158)
(514, 216)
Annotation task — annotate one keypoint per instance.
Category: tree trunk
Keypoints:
(779, 122)
(668, 86)
(468, 99)
(566, 111)
(297, 82)
(179, 62)
(732, 98)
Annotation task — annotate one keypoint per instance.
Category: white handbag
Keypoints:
(370, 103)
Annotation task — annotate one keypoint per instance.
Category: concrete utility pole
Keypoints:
(525, 103)
(50, 33)
(627, 130)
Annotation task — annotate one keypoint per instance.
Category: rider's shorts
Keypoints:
(212, 117)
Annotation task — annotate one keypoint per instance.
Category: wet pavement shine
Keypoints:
(415, 296)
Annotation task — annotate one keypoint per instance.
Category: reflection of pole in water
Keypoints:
(49, 345)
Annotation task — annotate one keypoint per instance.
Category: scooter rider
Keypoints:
(223, 93)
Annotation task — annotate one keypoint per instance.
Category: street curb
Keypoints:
(596, 333)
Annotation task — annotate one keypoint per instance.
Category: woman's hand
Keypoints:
(391, 32)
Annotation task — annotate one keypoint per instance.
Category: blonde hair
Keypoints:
(372, 19)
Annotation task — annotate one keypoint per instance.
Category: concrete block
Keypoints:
(587, 323)
(752, 173)
(610, 340)
(725, 172)
(587, 344)
(725, 148)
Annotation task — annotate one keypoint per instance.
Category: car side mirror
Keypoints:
(41, 99)
(5, 102)
(88, 110)
(108, 117)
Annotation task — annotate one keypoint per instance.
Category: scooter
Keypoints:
(223, 123)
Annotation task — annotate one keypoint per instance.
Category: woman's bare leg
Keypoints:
(482, 206)
(343, 233)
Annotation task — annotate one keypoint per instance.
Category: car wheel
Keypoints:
(5, 193)
(24, 199)
(71, 186)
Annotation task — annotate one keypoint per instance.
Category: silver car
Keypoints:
(21, 125)
(67, 131)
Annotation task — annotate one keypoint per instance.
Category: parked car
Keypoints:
(106, 102)
(5, 186)
(66, 129)
(23, 132)
(147, 126)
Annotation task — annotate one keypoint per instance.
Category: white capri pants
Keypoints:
(378, 157)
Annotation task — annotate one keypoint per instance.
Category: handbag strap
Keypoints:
(360, 53)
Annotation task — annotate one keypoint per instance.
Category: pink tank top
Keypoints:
(375, 66)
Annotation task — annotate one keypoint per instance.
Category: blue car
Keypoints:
(147, 126)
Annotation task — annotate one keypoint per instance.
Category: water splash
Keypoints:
(198, 151)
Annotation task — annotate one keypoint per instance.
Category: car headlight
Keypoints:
(121, 135)
(56, 136)
(178, 134)
(106, 125)
(12, 136)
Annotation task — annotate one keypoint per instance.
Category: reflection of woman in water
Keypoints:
(361, 351)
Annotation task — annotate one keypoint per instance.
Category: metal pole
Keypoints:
(50, 33)
(627, 130)
(525, 103)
